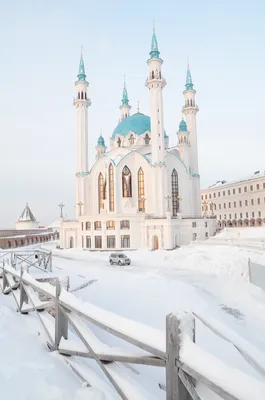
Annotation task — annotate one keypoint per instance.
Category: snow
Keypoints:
(208, 279)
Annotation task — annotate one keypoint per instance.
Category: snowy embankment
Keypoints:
(211, 281)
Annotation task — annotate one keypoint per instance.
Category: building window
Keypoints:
(147, 139)
(224, 216)
(240, 203)
(246, 214)
(258, 201)
(210, 196)
(259, 213)
(82, 226)
(235, 216)
(223, 193)
(111, 242)
(194, 224)
(88, 242)
(125, 241)
(234, 191)
(228, 192)
(219, 206)
(88, 226)
(253, 214)
(252, 202)
(101, 192)
(214, 195)
(98, 242)
(220, 216)
(131, 140)
(110, 224)
(257, 186)
(224, 206)
(241, 215)
(218, 194)
(111, 187)
(206, 234)
(205, 224)
(263, 185)
(125, 224)
(202, 197)
(251, 187)
(246, 202)
(230, 216)
(194, 236)
(97, 225)
(175, 192)
(245, 189)
(229, 205)
(239, 190)
(234, 203)
(141, 199)
(126, 182)
(206, 197)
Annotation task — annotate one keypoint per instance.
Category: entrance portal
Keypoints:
(155, 243)
(71, 242)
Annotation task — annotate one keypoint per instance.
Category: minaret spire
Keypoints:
(125, 106)
(189, 84)
(81, 72)
(154, 53)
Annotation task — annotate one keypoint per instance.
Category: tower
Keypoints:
(81, 103)
(101, 148)
(125, 106)
(190, 110)
(184, 143)
(155, 83)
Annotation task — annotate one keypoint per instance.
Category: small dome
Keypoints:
(101, 141)
(183, 126)
(137, 123)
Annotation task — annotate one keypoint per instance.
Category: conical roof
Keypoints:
(27, 215)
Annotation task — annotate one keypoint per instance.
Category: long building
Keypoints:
(237, 203)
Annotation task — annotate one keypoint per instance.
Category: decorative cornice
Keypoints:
(82, 173)
(158, 164)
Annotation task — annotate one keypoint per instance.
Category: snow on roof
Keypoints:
(55, 224)
(27, 215)
(255, 175)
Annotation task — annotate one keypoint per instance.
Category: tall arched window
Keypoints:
(175, 192)
(101, 189)
(131, 140)
(126, 182)
(111, 188)
(119, 142)
(146, 139)
(141, 199)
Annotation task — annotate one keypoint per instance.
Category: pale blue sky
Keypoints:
(40, 48)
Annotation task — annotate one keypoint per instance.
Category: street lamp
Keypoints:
(61, 205)
(80, 206)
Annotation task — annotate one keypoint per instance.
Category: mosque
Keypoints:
(140, 192)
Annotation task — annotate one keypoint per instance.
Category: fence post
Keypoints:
(5, 283)
(174, 386)
(61, 320)
(23, 295)
(50, 261)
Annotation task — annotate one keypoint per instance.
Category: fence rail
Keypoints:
(186, 364)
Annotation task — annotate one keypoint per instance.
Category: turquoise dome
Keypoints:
(101, 141)
(137, 123)
(183, 126)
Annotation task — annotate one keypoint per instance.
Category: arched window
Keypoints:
(85, 96)
(101, 190)
(147, 139)
(110, 224)
(175, 192)
(153, 75)
(97, 225)
(141, 199)
(88, 226)
(119, 142)
(111, 188)
(82, 95)
(125, 224)
(79, 95)
(131, 140)
(126, 182)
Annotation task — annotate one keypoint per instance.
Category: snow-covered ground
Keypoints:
(211, 280)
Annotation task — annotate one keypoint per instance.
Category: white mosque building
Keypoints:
(141, 192)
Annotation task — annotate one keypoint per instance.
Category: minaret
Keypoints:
(155, 82)
(81, 102)
(190, 110)
(101, 148)
(184, 143)
(125, 106)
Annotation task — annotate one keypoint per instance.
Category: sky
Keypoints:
(40, 44)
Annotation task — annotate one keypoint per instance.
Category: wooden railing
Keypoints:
(186, 364)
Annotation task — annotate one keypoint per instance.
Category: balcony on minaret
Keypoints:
(190, 104)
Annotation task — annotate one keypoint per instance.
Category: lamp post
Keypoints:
(168, 198)
(61, 205)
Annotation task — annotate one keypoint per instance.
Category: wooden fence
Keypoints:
(185, 363)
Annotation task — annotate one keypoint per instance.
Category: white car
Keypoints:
(119, 258)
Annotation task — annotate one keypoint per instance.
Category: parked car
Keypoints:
(119, 258)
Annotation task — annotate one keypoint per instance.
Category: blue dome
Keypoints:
(137, 123)
(183, 126)
(101, 141)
